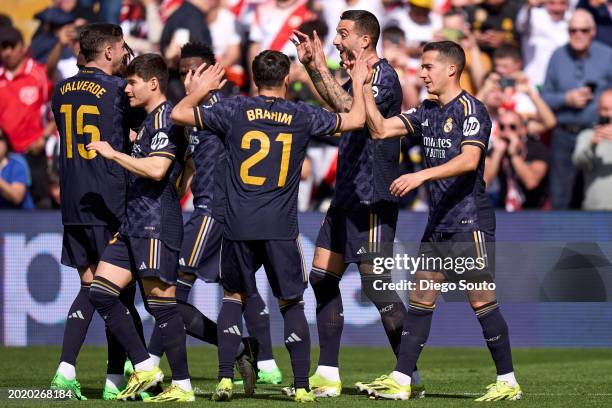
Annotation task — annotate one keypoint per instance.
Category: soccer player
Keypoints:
(454, 129)
(360, 224)
(92, 106)
(199, 257)
(265, 138)
(149, 238)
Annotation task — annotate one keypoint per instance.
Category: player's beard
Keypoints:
(348, 60)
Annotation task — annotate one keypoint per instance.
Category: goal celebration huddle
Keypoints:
(127, 155)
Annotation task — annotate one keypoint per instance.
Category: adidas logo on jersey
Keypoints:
(293, 338)
(142, 266)
(233, 330)
(361, 251)
(76, 315)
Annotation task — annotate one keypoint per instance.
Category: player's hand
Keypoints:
(318, 53)
(208, 78)
(303, 44)
(103, 148)
(406, 183)
(578, 98)
(190, 84)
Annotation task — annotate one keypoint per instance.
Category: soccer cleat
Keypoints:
(388, 388)
(301, 395)
(60, 382)
(366, 387)
(152, 392)
(246, 364)
(323, 388)
(110, 392)
(273, 376)
(501, 390)
(128, 369)
(173, 393)
(224, 390)
(141, 381)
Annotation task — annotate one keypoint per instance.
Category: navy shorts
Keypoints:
(201, 246)
(83, 245)
(283, 261)
(360, 235)
(146, 257)
(459, 255)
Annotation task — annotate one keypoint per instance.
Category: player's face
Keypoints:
(138, 91)
(119, 56)
(434, 72)
(347, 41)
(12, 55)
(189, 64)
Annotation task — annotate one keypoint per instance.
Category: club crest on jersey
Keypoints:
(160, 140)
(471, 126)
(448, 125)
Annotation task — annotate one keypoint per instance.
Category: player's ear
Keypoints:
(366, 41)
(153, 84)
(452, 70)
(108, 52)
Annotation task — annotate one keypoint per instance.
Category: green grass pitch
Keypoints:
(453, 376)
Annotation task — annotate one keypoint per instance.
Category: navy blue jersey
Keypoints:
(208, 154)
(153, 208)
(456, 204)
(266, 141)
(367, 167)
(91, 106)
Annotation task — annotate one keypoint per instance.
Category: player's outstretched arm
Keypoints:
(467, 161)
(199, 85)
(311, 54)
(149, 167)
(381, 128)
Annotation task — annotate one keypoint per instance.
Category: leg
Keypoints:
(229, 332)
(257, 318)
(297, 340)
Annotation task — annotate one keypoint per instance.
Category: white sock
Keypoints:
(401, 378)
(156, 359)
(416, 378)
(266, 365)
(330, 373)
(115, 380)
(67, 370)
(185, 385)
(146, 365)
(509, 378)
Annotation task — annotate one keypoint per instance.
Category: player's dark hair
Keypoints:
(270, 68)
(365, 22)
(450, 51)
(508, 51)
(148, 66)
(198, 50)
(93, 37)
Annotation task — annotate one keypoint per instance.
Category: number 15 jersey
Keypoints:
(265, 139)
(87, 107)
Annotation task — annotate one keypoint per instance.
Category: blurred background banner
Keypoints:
(36, 291)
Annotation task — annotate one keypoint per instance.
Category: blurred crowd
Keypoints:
(543, 68)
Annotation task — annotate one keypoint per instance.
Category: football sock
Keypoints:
(172, 330)
(495, 332)
(67, 370)
(128, 298)
(509, 378)
(183, 288)
(155, 358)
(266, 365)
(297, 341)
(104, 296)
(196, 324)
(416, 331)
(156, 345)
(401, 378)
(229, 332)
(79, 317)
(390, 306)
(116, 355)
(185, 385)
(329, 373)
(115, 380)
(257, 319)
(330, 314)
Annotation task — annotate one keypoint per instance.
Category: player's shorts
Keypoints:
(201, 246)
(146, 257)
(83, 245)
(283, 261)
(459, 255)
(360, 235)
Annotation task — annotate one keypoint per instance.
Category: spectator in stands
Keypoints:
(601, 10)
(576, 76)
(108, 10)
(224, 33)
(493, 23)
(516, 166)
(520, 95)
(543, 30)
(45, 38)
(593, 155)
(186, 24)
(394, 51)
(24, 92)
(14, 179)
(142, 25)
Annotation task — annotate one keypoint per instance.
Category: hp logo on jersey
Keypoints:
(160, 140)
(471, 126)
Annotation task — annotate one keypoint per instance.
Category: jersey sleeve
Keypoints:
(216, 118)
(163, 141)
(322, 122)
(476, 126)
(412, 120)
